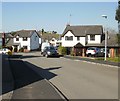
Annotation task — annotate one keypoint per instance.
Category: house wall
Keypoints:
(71, 43)
(34, 41)
(40, 41)
(97, 39)
(23, 43)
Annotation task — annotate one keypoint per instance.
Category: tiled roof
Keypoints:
(7, 35)
(84, 30)
(25, 33)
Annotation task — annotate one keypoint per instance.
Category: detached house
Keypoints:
(82, 36)
(27, 39)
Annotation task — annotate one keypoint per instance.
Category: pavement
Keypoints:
(93, 60)
(24, 82)
(7, 78)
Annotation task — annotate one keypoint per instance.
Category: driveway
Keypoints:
(77, 79)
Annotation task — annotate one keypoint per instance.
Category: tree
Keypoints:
(117, 17)
(42, 31)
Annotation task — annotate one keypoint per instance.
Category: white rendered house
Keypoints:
(27, 39)
(84, 35)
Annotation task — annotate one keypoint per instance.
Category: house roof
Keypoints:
(78, 45)
(48, 36)
(25, 33)
(7, 35)
(84, 30)
(11, 43)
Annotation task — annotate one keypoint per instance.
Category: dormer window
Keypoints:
(92, 37)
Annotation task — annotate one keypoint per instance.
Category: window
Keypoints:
(17, 39)
(25, 47)
(92, 37)
(78, 38)
(24, 38)
(69, 38)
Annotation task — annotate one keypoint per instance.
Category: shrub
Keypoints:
(21, 50)
(9, 53)
(62, 50)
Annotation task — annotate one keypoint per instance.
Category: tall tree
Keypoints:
(117, 17)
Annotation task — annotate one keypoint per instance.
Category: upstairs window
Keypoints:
(78, 38)
(69, 38)
(24, 38)
(92, 37)
(17, 39)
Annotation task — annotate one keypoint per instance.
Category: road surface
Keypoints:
(76, 79)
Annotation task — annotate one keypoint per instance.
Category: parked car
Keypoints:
(102, 52)
(49, 51)
(92, 51)
(5, 51)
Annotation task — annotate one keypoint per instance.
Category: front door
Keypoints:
(15, 48)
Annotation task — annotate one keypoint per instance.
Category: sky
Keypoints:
(55, 15)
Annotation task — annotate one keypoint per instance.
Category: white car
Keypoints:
(4, 50)
(92, 51)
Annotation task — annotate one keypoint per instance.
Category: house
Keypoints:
(27, 39)
(72, 35)
(82, 37)
(50, 37)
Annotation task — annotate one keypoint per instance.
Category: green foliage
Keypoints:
(43, 31)
(13, 33)
(118, 38)
(21, 49)
(9, 53)
(117, 17)
(62, 50)
(0, 46)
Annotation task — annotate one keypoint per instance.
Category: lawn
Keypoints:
(115, 59)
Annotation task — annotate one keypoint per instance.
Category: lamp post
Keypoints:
(105, 16)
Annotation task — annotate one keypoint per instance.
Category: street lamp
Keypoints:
(105, 16)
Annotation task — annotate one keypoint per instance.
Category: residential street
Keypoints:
(21, 82)
(76, 79)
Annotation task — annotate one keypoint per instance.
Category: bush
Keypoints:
(21, 50)
(9, 53)
(62, 50)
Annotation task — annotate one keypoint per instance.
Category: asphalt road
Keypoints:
(77, 79)
(28, 84)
